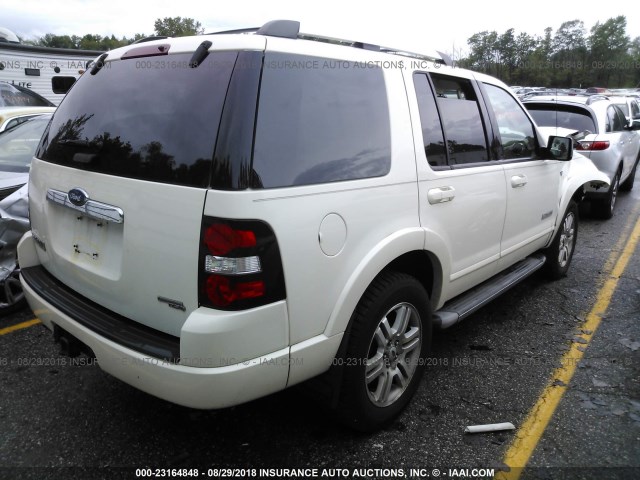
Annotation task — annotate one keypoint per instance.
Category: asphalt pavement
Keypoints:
(68, 419)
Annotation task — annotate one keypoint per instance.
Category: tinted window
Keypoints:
(147, 118)
(614, 122)
(460, 112)
(635, 111)
(563, 116)
(515, 129)
(320, 121)
(432, 135)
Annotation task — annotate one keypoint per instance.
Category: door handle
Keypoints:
(441, 195)
(518, 181)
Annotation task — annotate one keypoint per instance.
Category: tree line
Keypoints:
(569, 57)
(168, 26)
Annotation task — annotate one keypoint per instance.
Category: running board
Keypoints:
(464, 305)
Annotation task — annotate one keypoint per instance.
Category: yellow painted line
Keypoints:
(19, 326)
(531, 431)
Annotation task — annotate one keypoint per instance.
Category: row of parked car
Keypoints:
(23, 117)
(264, 225)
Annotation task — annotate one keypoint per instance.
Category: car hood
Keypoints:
(12, 179)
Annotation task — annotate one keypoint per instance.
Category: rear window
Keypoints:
(148, 118)
(562, 116)
(320, 120)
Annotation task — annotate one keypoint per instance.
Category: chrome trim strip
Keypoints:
(92, 209)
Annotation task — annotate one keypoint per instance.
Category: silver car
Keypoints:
(602, 133)
(17, 147)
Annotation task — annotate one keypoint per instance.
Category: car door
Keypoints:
(532, 183)
(461, 191)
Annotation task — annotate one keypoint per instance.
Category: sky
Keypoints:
(418, 26)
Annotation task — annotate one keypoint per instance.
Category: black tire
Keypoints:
(390, 337)
(604, 208)
(11, 294)
(560, 253)
(627, 185)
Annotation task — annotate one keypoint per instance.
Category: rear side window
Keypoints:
(145, 118)
(320, 120)
(564, 116)
(463, 126)
(432, 136)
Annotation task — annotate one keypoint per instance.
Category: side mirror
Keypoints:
(560, 148)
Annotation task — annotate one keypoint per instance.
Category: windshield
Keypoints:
(18, 145)
(562, 116)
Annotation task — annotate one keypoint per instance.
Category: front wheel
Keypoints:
(604, 208)
(627, 185)
(560, 253)
(384, 359)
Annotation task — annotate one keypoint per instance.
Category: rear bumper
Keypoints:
(150, 360)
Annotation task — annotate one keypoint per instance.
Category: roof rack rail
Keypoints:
(237, 30)
(150, 39)
(291, 29)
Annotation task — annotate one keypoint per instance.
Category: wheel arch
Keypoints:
(403, 252)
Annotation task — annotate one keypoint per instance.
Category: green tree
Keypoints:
(483, 47)
(608, 44)
(177, 27)
(570, 54)
(508, 61)
(57, 41)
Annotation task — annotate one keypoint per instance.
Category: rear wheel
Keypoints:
(560, 253)
(604, 208)
(383, 363)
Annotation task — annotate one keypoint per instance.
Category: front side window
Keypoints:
(516, 130)
(319, 121)
(461, 118)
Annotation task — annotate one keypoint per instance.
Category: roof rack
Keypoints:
(291, 29)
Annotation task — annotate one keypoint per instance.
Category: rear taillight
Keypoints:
(591, 146)
(240, 265)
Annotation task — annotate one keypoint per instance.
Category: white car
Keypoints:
(217, 218)
(12, 116)
(603, 134)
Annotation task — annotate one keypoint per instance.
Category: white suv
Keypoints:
(603, 133)
(220, 217)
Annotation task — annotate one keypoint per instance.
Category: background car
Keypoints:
(17, 147)
(17, 96)
(12, 116)
(602, 133)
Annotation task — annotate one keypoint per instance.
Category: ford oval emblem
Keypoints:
(78, 197)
